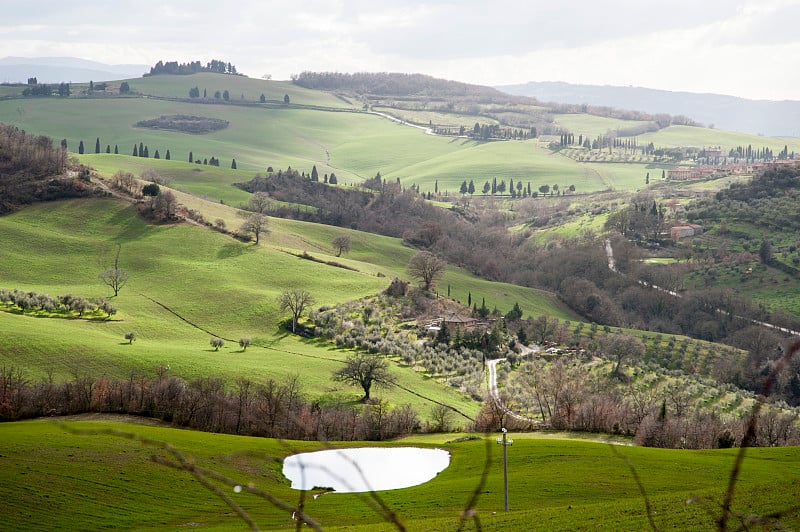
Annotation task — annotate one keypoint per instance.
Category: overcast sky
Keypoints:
(747, 48)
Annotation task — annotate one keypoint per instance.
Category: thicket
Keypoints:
(269, 409)
(185, 123)
(32, 169)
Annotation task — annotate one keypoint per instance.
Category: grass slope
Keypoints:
(223, 286)
(54, 478)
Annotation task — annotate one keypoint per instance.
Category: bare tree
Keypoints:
(341, 244)
(362, 369)
(295, 300)
(255, 224)
(115, 277)
(259, 202)
(426, 267)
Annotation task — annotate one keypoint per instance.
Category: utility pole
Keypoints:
(505, 442)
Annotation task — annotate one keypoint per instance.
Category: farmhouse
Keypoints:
(682, 231)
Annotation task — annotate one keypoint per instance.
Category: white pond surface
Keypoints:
(365, 468)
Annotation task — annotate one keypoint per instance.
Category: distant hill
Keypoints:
(760, 117)
(58, 69)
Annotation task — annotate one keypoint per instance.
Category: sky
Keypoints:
(746, 48)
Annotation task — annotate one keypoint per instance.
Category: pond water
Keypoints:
(365, 468)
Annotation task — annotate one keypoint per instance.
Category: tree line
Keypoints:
(265, 408)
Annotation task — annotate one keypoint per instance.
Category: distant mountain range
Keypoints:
(58, 69)
(759, 117)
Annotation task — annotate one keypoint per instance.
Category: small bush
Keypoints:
(130, 336)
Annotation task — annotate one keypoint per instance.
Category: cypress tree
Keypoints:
(80, 148)
(135, 152)
(116, 149)
(167, 156)
(97, 145)
(191, 157)
(108, 148)
(233, 165)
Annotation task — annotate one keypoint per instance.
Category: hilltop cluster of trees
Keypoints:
(193, 67)
(45, 90)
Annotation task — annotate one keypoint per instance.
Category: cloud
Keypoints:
(715, 45)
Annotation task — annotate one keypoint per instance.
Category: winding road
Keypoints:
(613, 267)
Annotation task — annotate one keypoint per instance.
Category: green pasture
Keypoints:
(592, 126)
(700, 137)
(353, 145)
(167, 86)
(437, 118)
(212, 285)
(54, 477)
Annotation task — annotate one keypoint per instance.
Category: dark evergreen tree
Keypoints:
(156, 155)
(124, 88)
(116, 149)
(314, 174)
(80, 148)
(226, 95)
(146, 152)
(108, 148)
(233, 164)
(286, 99)
(141, 149)
(191, 157)
(97, 145)
(471, 187)
(167, 156)
(263, 98)
(64, 143)
(332, 180)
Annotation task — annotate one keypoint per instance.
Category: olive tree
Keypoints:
(244, 343)
(365, 370)
(295, 300)
(216, 343)
(427, 268)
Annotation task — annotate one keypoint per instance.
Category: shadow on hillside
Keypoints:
(130, 227)
(233, 249)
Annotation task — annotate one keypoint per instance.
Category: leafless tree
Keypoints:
(115, 277)
(295, 300)
(341, 244)
(255, 225)
(259, 202)
(426, 267)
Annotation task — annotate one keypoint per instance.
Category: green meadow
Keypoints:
(76, 476)
(189, 283)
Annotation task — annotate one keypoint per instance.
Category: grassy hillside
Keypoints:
(78, 482)
(224, 287)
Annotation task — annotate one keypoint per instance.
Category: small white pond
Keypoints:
(365, 468)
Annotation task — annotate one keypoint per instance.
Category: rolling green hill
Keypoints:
(221, 286)
(88, 481)
(330, 131)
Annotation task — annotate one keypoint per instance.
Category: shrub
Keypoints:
(244, 343)
(130, 336)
